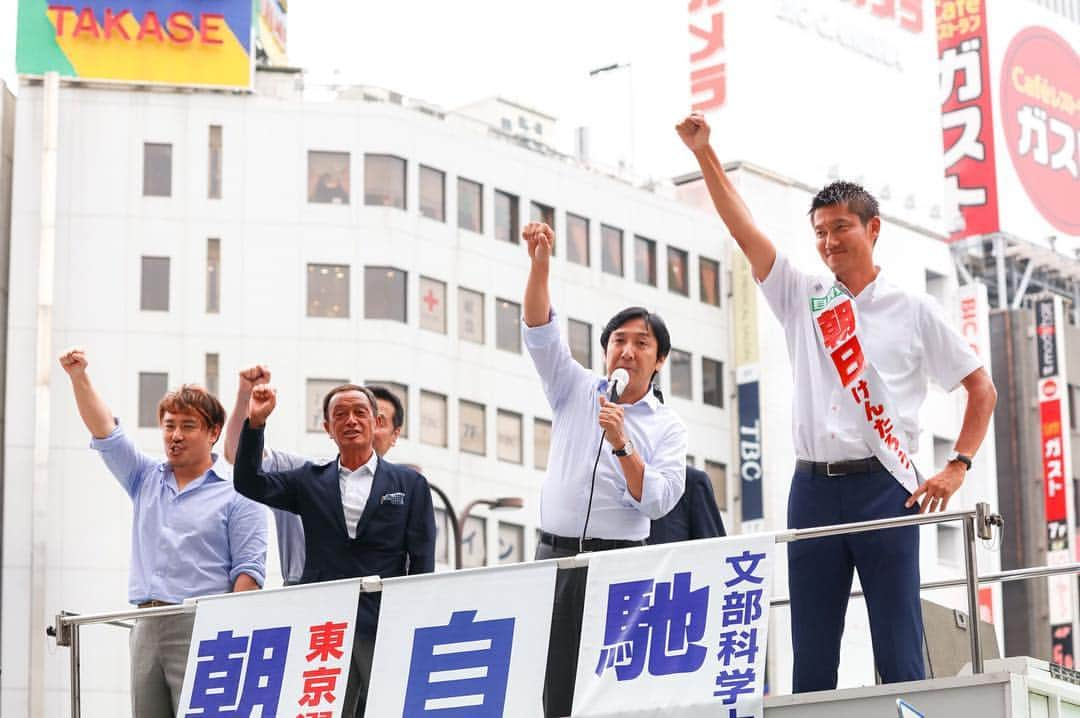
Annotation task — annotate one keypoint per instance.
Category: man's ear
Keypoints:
(874, 228)
(660, 363)
(326, 428)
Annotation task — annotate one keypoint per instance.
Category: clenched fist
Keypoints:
(262, 403)
(252, 376)
(540, 240)
(694, 131)
(74, 361)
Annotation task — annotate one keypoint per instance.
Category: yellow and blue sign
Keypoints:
(171, 42)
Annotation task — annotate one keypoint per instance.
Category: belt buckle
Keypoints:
(829, 471)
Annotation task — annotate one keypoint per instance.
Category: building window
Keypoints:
(709, 275)
(433, 305)
(645, 261)
(681, 375)
(1074, 408)
(718, 478)
(472, 436)
(315, 393)
(470, 205)
(157, 170)
(474, 542)
(508, 326)
(611, 256)
(470, 316)
(328, 177)
(541, 213)
(677, 280)
(213, 186)
(384, 293)
(579, 337)
(384, 181)
(541, 443)
(154, 291)
(327, 290)
(712, 382)
(213, 276)
(152, 386)
(506, 217)
(577, 239)
(213, 363)
(935, 286)
(511, 543)
(432, 193)
(402, 393)
(508, 434)
(432, 418)
(443, 536)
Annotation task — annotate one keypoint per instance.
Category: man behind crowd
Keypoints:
(695, 516)
(290, 530)
(637, 445)
(362, 515)
(896, 342)
(192, 534)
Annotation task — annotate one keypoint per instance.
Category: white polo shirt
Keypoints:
(903, 335)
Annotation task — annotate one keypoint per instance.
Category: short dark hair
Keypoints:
(193, 399)
(655, 323)
(348, 387)
(849, 194)
(381, 392)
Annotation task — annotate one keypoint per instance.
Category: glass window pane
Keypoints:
(541, 443)
(328, 177)
(506, 217)
(677, 279)
(433, 305)
(577, 239)
(154, 287)
(432, 193)
(718, 478)
(213, 276)
(402, 393)
(213, 363)
(645, 261)
(384, 293)
(679, 361)
(541, 213)
(157, 170)
(474, 542)
(470, 205)
(444, 537)
(712, 382)
(213, 187)
(472, 435)
(511, 543)
(710, 281)
(508, 326)
(152, 387)
(315, 392)
(384, 181)
(327, 290)
(579, 336)
(432, 418)
(611, 256)
(470, 315)
(508, 434)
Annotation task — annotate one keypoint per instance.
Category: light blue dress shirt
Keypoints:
(657, 433)
(194, 542)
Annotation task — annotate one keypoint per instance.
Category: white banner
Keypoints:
(271, 653)
(474, 639)
(677, 629)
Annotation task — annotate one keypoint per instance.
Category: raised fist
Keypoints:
(694, 131)
(74, 361)
(261, 404)
(253, 376)
(540, 240)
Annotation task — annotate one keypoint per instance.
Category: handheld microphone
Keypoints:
(617, 383)
(616, 386)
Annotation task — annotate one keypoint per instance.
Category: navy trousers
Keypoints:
(820, 574)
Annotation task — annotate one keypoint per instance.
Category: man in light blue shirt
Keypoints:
(192, 534)
(637, 445)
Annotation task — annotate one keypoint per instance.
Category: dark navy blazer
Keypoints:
(394, 537)
(695, 516)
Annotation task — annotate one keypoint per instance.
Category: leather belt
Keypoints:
(155, 604)
(840, 468)
(563, 543)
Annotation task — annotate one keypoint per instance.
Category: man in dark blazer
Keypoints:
(362, 516)
(695, 516)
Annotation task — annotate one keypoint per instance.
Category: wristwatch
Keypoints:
(627, 450)
(962, 458)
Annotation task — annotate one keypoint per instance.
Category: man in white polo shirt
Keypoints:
(862, 352)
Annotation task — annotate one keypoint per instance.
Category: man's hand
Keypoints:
(937, 490)
(694, 131)
(611, 421)
(74, 362)
(262, 403)
(251, 377)
(540, 240)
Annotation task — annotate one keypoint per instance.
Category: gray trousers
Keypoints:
(565, 635)
(159, 654)
(356, 690)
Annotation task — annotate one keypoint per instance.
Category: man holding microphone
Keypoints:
(618, 454)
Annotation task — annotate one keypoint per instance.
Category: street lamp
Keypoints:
(457, 525)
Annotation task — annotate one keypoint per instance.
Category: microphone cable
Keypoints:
(592, 488)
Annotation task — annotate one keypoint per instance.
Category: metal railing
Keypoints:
(978, 523)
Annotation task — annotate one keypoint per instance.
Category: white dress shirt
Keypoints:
(657, 433)
(903, 335)
(355, 489)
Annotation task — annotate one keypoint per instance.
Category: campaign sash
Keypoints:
(835, 323)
